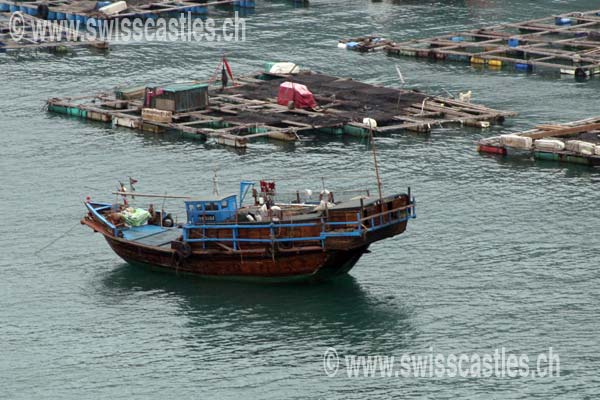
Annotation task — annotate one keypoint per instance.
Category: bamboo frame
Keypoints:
(542, 44)
(286, 124)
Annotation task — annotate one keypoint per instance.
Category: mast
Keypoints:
(215, 183)
(374, 150)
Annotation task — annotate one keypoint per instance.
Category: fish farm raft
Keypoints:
(275, 105)
(98, 11)
(567, 43)
(575, 142)
(97, 15)
(31, 40)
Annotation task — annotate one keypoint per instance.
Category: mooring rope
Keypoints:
(56, 239)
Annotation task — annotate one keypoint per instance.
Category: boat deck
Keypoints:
(152, 235)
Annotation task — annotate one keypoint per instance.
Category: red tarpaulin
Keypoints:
(299, 94)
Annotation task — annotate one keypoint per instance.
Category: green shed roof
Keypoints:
(178, 87)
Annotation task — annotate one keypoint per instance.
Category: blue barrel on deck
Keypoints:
(101, 4)
(513, 42)
(563, 21)
(351, 45)
(458, 39)
(4, 7)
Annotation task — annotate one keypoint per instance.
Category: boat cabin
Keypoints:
(213, 210)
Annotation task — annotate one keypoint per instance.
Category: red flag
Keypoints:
(228, 69)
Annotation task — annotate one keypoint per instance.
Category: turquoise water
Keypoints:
(503, 253)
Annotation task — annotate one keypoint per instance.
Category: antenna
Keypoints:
(376, 165)
(215, 183)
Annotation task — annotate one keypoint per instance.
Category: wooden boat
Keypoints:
(266, 240)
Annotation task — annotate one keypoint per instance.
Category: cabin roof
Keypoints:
(179, 87)
(213, 199)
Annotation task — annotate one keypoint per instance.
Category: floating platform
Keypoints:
(365, 44)
(69, 38)
(249, 110)
(575, 142)
(567, 44)
(84, 10)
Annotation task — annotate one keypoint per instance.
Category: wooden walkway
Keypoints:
(249, 110)
(567, 43)
(574, 142)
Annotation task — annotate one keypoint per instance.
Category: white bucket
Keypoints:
(370, 122)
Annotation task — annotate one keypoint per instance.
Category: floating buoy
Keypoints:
(563, 21)
(523, 67)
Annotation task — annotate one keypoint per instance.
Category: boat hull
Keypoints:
(314, 246)
(306, 265)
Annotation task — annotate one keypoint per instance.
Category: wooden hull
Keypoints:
(317, 247)
(313, 265)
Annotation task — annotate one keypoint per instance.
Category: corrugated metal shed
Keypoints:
(181, 97)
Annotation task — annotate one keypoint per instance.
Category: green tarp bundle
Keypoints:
(135, 216)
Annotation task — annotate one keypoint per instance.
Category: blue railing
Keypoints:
(96, 211)
(376, 222)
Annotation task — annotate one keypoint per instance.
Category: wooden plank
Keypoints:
(564, 131)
